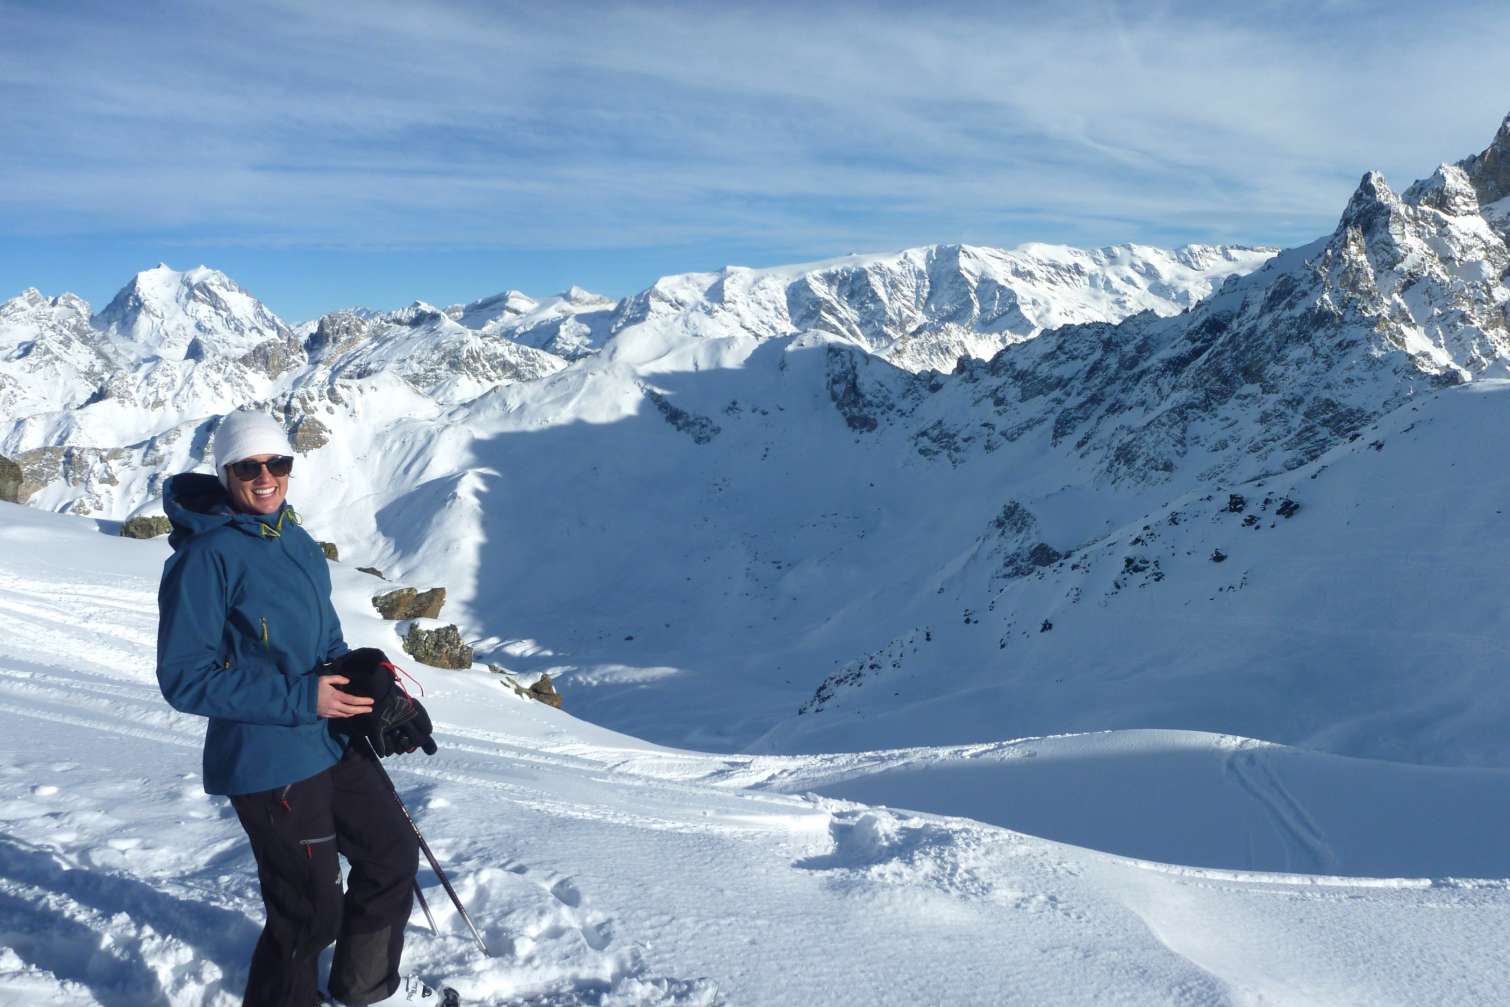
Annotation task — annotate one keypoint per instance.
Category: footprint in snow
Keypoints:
(125, 940)
(566, 893)
(552, 948)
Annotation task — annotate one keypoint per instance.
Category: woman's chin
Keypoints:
(260, 505)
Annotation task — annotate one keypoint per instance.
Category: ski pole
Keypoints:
(419, 893)
(434, 864)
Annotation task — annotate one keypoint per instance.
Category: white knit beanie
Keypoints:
(245, 433)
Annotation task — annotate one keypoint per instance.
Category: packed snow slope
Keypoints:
(603, 870)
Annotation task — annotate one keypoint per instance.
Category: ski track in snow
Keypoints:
(1250, 767)
(603, 871)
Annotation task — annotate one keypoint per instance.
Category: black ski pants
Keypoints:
(296, 832)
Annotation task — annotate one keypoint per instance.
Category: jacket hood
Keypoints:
(196, 503)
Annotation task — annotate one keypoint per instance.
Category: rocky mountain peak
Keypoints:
(27, 299)
(1489, 170)
(1370, 204)
(162, 311)
(31, 301)
(1448, 190)
(491, 310)
(49, 352)
(164, 282)
(336, 333)
(71, 302)
(31, 313)
(580, 295)
(1406, 296)
(416, 314)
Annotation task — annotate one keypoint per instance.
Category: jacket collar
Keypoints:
(196, 503)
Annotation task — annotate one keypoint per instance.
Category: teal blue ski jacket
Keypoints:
(244, 622)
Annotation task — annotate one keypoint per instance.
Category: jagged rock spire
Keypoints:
(1489, 171)
(1370, 204)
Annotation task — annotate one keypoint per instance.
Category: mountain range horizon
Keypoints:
(203, 272)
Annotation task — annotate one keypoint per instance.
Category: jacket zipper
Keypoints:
(314, 593)
(282, 801)
(309, 844)
(266, 641)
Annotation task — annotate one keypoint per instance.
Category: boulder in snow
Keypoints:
(146, 526)
(439, 648)
(406, 603)
(545, 691)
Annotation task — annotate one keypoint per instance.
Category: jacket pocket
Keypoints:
(308, 844)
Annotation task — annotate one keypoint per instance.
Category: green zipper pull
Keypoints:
(265, 642)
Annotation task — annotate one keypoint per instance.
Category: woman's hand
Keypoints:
(335, 704)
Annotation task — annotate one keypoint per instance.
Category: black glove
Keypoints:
(397, 723)
(409, 732)
(368, 669)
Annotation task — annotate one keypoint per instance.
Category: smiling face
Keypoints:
(261, 495)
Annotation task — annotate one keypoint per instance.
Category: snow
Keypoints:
(163, 311)
(911, 652)
(604, 870)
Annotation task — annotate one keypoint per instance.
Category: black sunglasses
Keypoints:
(248, 470)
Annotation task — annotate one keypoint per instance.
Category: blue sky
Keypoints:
(446, 151)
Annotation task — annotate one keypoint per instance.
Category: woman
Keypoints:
(247, 637)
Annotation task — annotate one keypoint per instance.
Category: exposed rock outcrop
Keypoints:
(510, 681)
(273, 357)
(1489, 170)
(439, 648)
(406, 603)
(699, 428)
(146, 526)
(309, 434)
(336, 333)
(88, 471)
(544, 690)
(10, 481)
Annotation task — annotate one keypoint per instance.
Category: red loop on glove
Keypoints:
(399, 674)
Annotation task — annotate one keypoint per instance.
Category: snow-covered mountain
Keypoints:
(202, 312)
(50, 355)
(733, 497)
(90, 401)
(439, 357)
(571, 325)
(928, 307)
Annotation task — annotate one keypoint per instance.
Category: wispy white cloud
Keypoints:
(810, 128)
